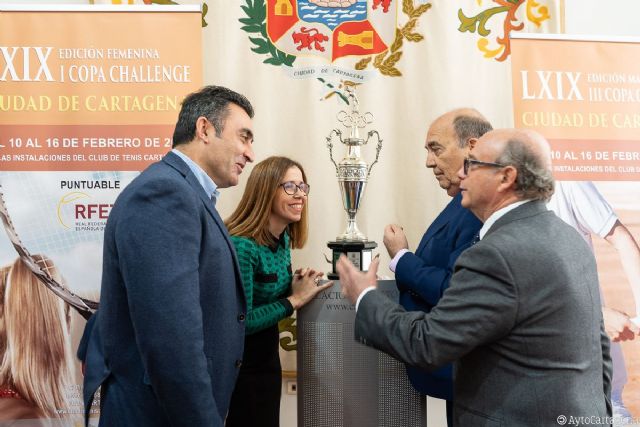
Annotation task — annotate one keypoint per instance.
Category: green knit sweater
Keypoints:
(266, 276)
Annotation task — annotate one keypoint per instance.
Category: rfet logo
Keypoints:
(75, 209)
(331, 28)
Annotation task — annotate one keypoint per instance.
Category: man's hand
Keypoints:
(394, 239)
(354, 281)
(618, 325)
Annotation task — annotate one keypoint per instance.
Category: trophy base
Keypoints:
(352, 234)
(359, 253)
(353, 237)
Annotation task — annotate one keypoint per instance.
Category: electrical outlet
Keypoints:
(292, 387)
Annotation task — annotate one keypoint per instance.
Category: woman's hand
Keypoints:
(304, 286)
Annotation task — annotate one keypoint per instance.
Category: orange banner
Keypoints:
(84, 147)
(62, 84)
(584, 96)
(89, 96)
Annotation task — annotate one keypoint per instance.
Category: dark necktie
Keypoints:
(475, 239)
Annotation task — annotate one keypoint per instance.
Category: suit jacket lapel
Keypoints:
(177, 163)
(439, 223)
(208, 204)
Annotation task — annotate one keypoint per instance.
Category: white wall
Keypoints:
(599, 17)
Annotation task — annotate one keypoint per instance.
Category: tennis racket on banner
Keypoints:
(60, 215)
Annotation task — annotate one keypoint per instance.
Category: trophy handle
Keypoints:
(378, 148)
(330, 146)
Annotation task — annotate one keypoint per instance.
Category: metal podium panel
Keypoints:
(342, 383)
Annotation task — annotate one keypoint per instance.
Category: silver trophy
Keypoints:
(352, 173)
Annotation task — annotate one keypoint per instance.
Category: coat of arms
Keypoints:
(370, 31)
(331, 28)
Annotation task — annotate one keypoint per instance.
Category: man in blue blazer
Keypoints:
(167, 342)
(423, 276)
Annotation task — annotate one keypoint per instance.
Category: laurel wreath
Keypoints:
(255, 23)
(386, 61)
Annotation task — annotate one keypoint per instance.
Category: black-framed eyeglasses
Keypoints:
(292, 188)
(468, 162)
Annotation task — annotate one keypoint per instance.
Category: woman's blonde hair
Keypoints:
(37, 361)
(251, 217)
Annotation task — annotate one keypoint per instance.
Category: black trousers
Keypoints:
(256, 399)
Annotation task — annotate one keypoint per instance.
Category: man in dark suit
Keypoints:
(167, 342)
(522, 315)
(423, 277)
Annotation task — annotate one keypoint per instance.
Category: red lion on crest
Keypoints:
(385, 5)
(307, 36)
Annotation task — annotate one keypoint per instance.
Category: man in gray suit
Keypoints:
(522, 314)
(167, 342)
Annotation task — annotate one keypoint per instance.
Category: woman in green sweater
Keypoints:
(270, 220)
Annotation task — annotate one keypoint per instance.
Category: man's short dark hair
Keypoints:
(211, 102)
(534, 180)
(468, 126)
